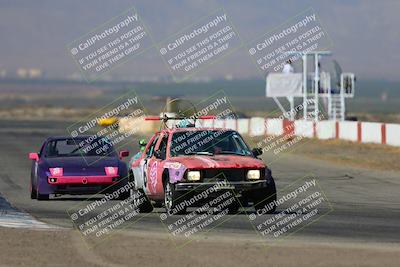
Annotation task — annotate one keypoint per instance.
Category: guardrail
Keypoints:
(361, 132)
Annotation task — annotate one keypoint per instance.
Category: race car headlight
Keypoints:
(253, 174)
(56, 171)
(193, 175)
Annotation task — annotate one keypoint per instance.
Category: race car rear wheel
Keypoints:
(264, 199)
(172, 199)
(233, 208)
(158, 204)
(141, 201)
(124, 195)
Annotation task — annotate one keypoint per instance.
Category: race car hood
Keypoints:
(219, 161)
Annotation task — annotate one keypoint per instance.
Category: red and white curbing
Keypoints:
(362, 132)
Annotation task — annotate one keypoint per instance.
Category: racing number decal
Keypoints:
(153, 176)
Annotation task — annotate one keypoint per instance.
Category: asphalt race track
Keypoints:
(365, 203)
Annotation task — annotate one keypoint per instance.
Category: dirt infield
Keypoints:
(371, 156)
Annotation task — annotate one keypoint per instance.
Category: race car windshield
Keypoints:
(79, 147)
(208, 143)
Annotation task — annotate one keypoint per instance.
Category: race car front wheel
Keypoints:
(33, 192)
(233, 208)
(265, 199)
(42, 196)
(172, 200)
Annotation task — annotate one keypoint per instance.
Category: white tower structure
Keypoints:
(311, 86)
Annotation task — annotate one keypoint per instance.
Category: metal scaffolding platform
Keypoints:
(316, 89)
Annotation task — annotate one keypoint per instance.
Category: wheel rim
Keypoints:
(168, 196)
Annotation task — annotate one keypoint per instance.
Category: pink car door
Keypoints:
(155, 166)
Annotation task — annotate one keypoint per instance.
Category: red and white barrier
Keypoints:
(348, 130)
(230, 124)
(391, 134)
(274, 126)
(326, 129)
(362, 132)
(207, 123)
(257, 126)
(219, 124)
(243, 126)
(371, 132)
(304, 128)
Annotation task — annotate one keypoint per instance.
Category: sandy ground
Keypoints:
(66, 248)
(371, 156)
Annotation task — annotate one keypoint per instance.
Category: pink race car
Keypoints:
(177, 164)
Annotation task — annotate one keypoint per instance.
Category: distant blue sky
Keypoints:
(365, 33)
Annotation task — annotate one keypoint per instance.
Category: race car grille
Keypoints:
(233, 175)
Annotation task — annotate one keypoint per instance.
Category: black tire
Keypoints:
(33, 192)
(244, 202)
(131, 177)
(172, 199)
(42, 196)
(124, 195)
(233, 208)
(141, 201)
(158, 204)
(265, 198)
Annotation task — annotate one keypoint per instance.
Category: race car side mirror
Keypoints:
(257, 151)
(123, 154)
(34, 156)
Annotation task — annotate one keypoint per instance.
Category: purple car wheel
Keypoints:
(33, 192)
(41, 196)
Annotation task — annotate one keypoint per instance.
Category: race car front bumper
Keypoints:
(81, 184)
(82, 180)
(236, 186)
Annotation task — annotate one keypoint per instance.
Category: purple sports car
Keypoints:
(76, 166)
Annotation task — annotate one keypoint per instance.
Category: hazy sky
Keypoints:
(34, 33)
